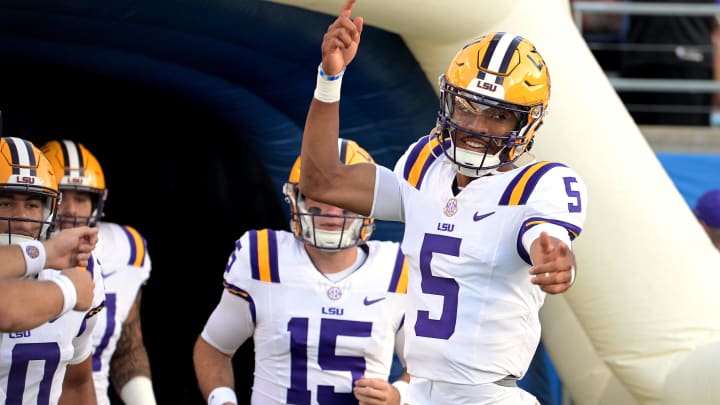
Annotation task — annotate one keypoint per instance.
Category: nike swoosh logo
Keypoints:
(370, 302)
(106, 275)
(478, 217)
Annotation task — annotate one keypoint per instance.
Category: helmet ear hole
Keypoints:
(530, 145)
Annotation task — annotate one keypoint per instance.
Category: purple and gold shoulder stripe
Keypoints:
(399, 280)
(420, 158)
(519, 190)
(137, 246)
(264, 255)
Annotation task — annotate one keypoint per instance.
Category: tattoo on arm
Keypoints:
(130, 358)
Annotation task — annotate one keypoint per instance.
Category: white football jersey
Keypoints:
(33, 362)
(314, 337)
(472, 314)
(125, 263)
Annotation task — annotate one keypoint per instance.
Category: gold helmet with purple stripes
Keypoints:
(25, 171)
(76, 169)
(493, 97)
(354, 230)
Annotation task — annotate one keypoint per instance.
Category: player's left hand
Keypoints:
(375, 391)
(554, 269)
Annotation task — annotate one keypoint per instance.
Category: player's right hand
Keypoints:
(341, 41)
(70, 247)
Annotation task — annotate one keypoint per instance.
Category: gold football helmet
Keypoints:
(356, 229)
(25, 170)
(76, 169)
(501, 73)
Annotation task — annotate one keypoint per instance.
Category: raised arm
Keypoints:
(323, 177)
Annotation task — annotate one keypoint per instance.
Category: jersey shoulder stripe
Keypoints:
(137, 246)
(239, 292)
(519, 190)
(419, 159)
(573, 232)
(264, 255)
(399, 279)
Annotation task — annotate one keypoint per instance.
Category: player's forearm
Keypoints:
(127, 364)
(212, 368)
(319, 148)
(78, 387)
(130, 358)
(22, 259)
(13, 263)
(26, 304)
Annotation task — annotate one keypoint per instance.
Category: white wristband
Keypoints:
(34, 253)
(138, 391)
(572, 276)
(221, 395)
(68, 291)
(402, 388)
(327, 88)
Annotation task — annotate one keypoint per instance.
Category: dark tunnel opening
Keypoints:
(177, 173)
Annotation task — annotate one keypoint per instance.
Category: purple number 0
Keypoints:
(448, 288)
(330, 329)
(22, 354)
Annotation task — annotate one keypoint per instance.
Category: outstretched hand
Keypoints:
(341, 41)
(554, 265)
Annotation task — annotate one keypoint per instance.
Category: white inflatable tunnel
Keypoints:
(642, 323)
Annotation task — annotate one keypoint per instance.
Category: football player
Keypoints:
(40, 364)
(119, 354)
(323, 304)
(486, 235)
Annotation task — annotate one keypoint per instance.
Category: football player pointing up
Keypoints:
(486, 237)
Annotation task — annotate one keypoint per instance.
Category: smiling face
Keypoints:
(481, 129)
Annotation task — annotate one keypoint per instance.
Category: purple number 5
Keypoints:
(577, 206)
(448, 288)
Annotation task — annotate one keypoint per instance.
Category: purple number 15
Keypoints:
(330, 329)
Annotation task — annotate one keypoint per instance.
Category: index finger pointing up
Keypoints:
(347, 8)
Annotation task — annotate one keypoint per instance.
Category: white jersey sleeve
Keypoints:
(387, 201)
(230, 324)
